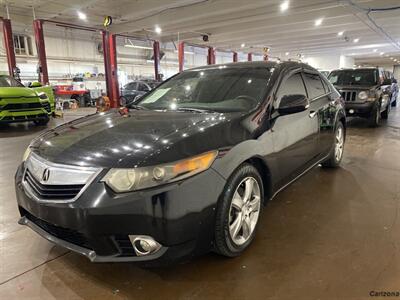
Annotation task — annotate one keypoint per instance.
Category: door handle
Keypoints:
(312, 114)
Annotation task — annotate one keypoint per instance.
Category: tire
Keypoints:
(233, 209)
(336, 155)
(41, 122)
(375, 118)
(385, 114)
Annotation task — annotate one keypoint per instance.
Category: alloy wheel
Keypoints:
(244, 210)
(339, 142)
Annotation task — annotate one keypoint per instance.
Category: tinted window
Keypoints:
(354, 77)
(314, 85)
(131, 86)
(6, 81)
(143, 87)
(219, 89)
(292, 86)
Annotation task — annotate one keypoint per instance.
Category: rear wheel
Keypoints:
(337, 152)
(239, 211)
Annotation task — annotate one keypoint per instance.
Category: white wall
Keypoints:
(330, 62)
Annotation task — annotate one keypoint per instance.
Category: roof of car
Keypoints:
(255, 64)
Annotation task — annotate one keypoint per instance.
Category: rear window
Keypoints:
(354, 77)
(6, 81)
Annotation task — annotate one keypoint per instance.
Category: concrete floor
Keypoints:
(333, 234)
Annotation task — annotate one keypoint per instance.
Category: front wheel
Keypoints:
(41, 122)
(239, 211)
(336, 154)
(385, 114)
(375, 117)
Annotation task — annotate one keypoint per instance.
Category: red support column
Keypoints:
(41, 51)
(235, 57)
(249, 56)
(181, 55)
(211, 56)
(111, 67)
(9, 46)
(156, 49)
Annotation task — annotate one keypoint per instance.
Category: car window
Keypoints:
(314, 85)
(219, 89)
(354, 77)
(131, 86)
(142, 87)
(292, 86)
(7, 81)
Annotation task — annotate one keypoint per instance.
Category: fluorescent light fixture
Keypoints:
(243, 45)
(318, 22)
(287, 53)
(340, 33)
(81, 15)
(284, 5)
(356, 40)
(157, 29)
(392, 58)
(375, 50)
(381, 53)
(137, 47)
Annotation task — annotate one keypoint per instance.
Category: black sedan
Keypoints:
(185, 171)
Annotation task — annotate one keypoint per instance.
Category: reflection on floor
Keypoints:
(331, 234)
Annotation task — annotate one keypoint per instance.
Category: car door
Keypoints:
(295, 136)
(322, 108)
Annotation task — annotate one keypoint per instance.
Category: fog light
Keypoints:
(351, 111)
(144, 245)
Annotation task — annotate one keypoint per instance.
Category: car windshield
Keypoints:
(7, 81)
(218, 89)
(353, 77)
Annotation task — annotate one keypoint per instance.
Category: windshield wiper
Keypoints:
(198, 110)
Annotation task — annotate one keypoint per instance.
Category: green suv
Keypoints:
(20, 104)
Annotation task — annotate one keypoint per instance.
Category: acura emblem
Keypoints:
(46, 175)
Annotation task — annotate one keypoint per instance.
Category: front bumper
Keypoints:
(179, 216)
(362, 109)
(23, 116)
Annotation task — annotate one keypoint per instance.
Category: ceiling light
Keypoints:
(243, 45)
(284, 5)
(375, 50)
(340, 33)
(82, 15)
(392, 58)
(387, 55)
(287, 53)
(318, 22)
(356, 40)
(381, 53)
(157, 29)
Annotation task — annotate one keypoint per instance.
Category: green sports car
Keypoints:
(20, 104)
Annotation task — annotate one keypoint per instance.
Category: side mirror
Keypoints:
(291, 104)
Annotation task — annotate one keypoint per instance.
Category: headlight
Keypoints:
(26, 154)
(125, 180)
(363, 95)
(43, 96)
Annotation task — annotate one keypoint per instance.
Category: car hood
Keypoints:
(16, 92)
(140, 138)
(355, 87)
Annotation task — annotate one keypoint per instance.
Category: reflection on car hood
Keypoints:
(142, 138)
(11, 92)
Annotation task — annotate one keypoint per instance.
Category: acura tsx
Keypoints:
(185, 170)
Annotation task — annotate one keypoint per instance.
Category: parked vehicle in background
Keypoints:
(395, 92)
(136, 88)
(47, 89)
(19, 103)
(186, 170)
(366, 92)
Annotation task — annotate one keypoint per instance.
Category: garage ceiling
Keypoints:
(232, 23)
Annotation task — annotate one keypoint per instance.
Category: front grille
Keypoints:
(52, 192)
(124, 245)
(349, 95)
(69, 235)
(22, 106)
(47, 107)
